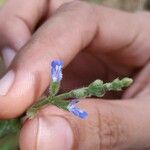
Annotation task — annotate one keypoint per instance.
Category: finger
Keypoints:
(141, 84)
(125, 46)
(22, 17)
(28, 79)
(110, 124)
(61, 37)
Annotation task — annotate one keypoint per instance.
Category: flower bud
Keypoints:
(96, 88)
(126, 82)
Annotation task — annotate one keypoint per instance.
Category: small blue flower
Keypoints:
(77, 111)
(56, 70)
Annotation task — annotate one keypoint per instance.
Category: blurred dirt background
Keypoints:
(129, 5)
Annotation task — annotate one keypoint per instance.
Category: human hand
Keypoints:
(113, 44)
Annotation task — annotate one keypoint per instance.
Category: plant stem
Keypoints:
(96, 88)
(67, 95)
(58, 101)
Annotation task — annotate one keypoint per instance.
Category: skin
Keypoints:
(94, 41)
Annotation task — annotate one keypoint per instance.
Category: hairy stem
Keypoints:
(96, 88)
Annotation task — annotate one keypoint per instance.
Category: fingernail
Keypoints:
(6, 82)
(8, 56)
(54, 133)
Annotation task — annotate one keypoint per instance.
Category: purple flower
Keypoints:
(77, 111)
(56, 70)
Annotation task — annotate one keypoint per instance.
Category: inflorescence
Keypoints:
(68, 101)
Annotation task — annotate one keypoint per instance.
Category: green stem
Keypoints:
(67, 95)
(58, 101)
(32, 111)
(96, 88)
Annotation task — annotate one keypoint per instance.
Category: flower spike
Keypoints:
(97, 89)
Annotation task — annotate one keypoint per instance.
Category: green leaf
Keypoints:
(10, 142)
(9, 127)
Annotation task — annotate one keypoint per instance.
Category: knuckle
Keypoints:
(112, 131)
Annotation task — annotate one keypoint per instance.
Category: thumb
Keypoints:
(110, 124)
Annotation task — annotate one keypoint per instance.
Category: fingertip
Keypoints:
(17, 92)
(28, 135)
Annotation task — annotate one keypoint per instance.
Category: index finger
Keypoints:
(72, 28)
